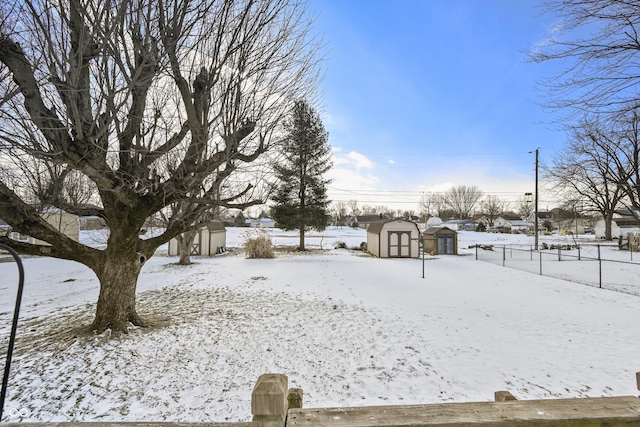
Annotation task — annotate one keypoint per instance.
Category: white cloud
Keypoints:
(391, 162)
(352, 160)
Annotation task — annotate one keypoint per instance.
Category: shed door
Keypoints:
(196, 248)
(399, 244)
(446, 244)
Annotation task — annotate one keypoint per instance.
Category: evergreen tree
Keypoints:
(301, 196)
(240, 220)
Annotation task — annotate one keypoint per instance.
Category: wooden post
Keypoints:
(638, 380)
(503, 396)
(269, 401)
(295, 398)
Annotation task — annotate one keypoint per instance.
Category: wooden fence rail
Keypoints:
(274, 404)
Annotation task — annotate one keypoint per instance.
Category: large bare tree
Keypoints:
(154, 102)
(585, 170)
(524, 206)
(622, 140)
(462, 200)
(492, 207)
(598, 45)
(432, 204)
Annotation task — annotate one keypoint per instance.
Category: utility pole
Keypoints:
(536, 221)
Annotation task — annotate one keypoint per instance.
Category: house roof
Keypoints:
(626, 222)
(376, 226)
(460, 221)
(521, 223)
(368, 218)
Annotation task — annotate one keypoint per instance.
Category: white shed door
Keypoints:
(399, 244)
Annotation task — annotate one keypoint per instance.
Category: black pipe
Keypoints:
(14, 326)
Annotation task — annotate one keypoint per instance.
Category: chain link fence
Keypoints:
(581, 264)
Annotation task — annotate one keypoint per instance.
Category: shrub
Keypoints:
(340, 245)
(258, 244)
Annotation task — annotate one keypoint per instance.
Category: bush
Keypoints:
(258, 244)
(340, 245)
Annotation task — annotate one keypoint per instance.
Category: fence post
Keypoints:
(269, 401)
(599, 268)
(476, 251)
(559, 254)
(540, 262)
(504, 254)
(531, 253)
(578, 252)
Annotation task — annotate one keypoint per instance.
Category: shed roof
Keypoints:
(435, 230)
(376, 226)
(216, 226)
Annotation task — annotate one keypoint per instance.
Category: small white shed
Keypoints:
(393, 238)
(209, 240)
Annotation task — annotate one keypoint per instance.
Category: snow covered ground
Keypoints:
(347, 328)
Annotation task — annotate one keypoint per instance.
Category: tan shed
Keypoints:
(64, 222)
(210, 239)
(440, 241)
(393, 238)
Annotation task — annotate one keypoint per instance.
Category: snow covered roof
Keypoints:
(521, 223)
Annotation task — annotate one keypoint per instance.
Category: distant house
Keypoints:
(502, 220)
(440, 241)
(264, 222)
(91, 223)
(63, 222)
(362, 221)
(210, 239)
(393, 238)
(543, 217)
(518, 225)
(572, 226)
(623, 223)
(460, 224)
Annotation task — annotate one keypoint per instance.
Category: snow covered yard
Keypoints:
(347, 328)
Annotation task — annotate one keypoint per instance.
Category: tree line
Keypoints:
(458, 202)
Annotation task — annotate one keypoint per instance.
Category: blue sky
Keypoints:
(421, 95)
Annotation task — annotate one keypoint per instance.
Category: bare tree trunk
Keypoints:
(185, 244)
(116, 308)
(608, 219)
(301, 247)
